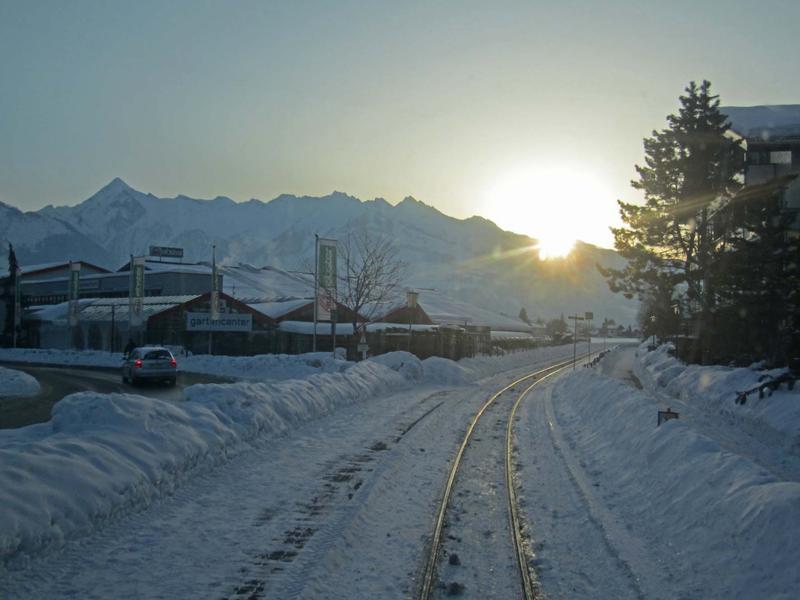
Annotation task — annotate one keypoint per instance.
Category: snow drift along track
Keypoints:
(428, 579)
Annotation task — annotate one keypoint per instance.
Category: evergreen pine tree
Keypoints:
(668, 241)
(757, 276)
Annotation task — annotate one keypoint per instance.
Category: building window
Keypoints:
(781, 157)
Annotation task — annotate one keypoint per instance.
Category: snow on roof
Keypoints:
(155, 266)
(324, 328)
(32, 269)
(101, 309)
(445, 310)
(307, 328)
(266, 284)
(511, 335)
(279, 308)
(766, 121)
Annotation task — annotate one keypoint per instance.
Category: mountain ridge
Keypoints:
(471, 258)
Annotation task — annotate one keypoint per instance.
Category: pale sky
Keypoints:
(530, 114)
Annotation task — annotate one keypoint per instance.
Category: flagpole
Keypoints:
(213, 304)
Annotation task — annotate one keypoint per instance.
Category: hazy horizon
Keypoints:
(527, 114)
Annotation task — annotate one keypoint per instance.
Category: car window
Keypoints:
(156, 354)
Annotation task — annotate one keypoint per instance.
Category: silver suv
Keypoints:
(150, 363)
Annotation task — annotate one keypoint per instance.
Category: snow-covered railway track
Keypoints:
(476, 504)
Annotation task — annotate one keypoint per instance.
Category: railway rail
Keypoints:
(428, 580)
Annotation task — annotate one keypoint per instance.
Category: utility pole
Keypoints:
(575, 318)
(411, 306)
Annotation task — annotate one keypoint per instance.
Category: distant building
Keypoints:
(52, 276)
(770, 137)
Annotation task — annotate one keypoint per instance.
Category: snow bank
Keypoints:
(405, 363)
(103, 455)
(17, 383)
(265, 367)
(279, 367)
(720, 523)
(443, 371)
(775, 418)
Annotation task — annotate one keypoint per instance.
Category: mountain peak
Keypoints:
(115, 186)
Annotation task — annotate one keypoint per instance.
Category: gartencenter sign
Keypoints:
(226, 322)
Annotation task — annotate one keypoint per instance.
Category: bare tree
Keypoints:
(369, 274)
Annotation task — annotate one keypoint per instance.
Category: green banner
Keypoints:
(18, 300)
(137, 292)
(74, 291)
(327, 264)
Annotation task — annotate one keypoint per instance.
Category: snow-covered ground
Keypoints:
(279, 367)
(632, 510)
(326, 487)
(272, 367)
(17, 383)
(121, 451)
(775, 418)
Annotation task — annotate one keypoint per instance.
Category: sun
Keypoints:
(554, 204)
(554, 246)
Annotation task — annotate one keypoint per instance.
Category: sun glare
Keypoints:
(555, 205)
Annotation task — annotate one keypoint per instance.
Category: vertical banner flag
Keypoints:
(74, 287)
(18, 299)
(326, 278)
(136, 297)
(214, 286)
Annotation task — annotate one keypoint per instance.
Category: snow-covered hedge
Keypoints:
(17, 383)
(714, 389)
(732, 527)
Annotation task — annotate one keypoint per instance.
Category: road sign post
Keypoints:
(575, 318)
(363, 347)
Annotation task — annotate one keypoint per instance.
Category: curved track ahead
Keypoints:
(527, 579)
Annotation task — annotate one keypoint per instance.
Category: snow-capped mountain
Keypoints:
(471, 259)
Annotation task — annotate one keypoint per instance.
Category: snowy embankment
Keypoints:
(713, 389)
(72, 358)
(713, 520)
(273, 367)
(101, 455)
(17, 383)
